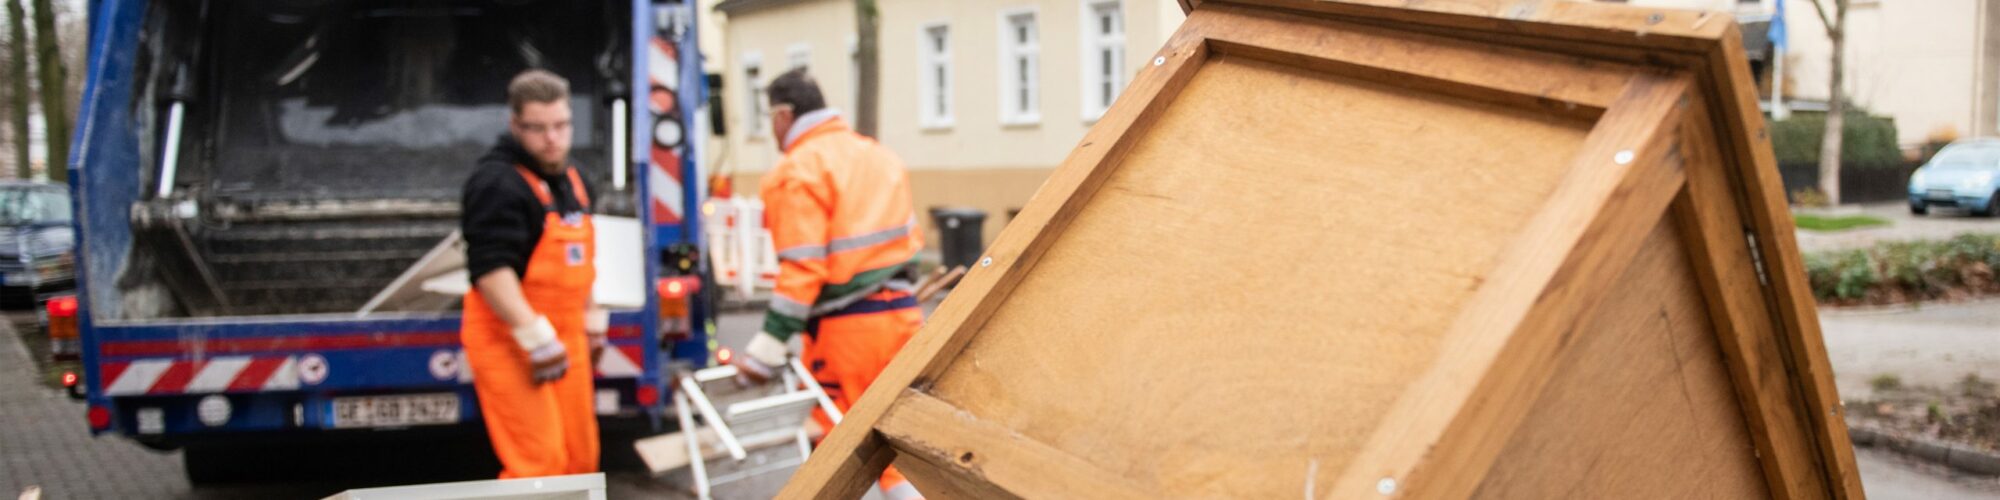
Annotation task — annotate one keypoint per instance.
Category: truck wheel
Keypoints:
(1992, 206)
(1919, 208)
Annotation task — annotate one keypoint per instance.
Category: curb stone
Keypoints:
(1954, 455)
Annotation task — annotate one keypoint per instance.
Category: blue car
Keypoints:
(1965, 174)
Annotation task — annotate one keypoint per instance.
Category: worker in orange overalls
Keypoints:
(839, 211)
(530, 330)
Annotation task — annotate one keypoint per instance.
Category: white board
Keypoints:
(441, 274)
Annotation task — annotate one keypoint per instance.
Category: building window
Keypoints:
(935, 92)
(1103, 56)
(753, 99)
(1020, 60)
(798, 55)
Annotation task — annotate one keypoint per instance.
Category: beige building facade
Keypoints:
(982, 98)
(1933, 65)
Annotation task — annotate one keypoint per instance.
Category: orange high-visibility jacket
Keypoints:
(839, 210)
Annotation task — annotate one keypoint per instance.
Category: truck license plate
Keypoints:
(395, 411)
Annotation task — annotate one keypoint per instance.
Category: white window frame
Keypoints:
(1093, 41)
(1011, 79)
(798, 55)
(934, 98)
(753, 89)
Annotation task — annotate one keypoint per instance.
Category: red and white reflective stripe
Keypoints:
(224, 374)
(663, 68)
(617, 361)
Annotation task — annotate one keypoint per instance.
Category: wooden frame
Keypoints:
(1676, 135)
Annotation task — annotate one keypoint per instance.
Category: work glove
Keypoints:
(547, 359)
(761, 359)
(596, 325)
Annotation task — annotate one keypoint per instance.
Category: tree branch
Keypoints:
(1824, 19)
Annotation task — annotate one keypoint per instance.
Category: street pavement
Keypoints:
(44, 441)
(1942, 223)
(1930, 344)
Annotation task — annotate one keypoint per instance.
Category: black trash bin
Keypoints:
(959, 234)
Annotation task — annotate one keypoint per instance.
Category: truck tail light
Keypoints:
(100, 418)
(648, 395)
(62, 307)
(674, 293)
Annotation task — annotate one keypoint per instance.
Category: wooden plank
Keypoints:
(999, 461)
(1642, 405)
(1505, 74)
(1708, 212)
(1322, 294)
(851, 457)
(1442, 435)
(669, 451)
(937, 481)
(1804, 347)
(1586, 22)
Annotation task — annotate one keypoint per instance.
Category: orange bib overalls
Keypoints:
(540, 429)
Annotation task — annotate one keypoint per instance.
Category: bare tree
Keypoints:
(73, 22)
(17, 84)
(1836, 101)
(867, 26)
(53, 77)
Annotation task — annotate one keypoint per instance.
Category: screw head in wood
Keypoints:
(1623, 157)
(1159, 60)
(986, 262)
(1386, 486)
(1655, 19)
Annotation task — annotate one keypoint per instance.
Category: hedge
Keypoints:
(1869, 141)
(1906, 270)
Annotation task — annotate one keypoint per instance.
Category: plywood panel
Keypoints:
(1259, 278)
(1642, 405)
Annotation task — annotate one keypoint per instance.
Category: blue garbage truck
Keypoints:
(252, 179)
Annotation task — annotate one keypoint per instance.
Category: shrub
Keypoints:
(1868, 141)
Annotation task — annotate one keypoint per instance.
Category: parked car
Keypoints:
(37, 244)
(1965, 174)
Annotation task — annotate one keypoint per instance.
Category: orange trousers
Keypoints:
(537, 429)
(848, 349)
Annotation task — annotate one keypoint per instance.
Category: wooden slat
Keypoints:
(1441, 437)
(1585, 22)
(1805, 349)
(1502, 74)
(1642, 406)
(850, 458)
(1708, 212)
(999, 461)
(941, 482)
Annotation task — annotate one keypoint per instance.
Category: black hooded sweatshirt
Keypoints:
(500, 216)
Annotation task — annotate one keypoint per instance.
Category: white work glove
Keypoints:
(596, 325)
(761, 359)
(547, 359)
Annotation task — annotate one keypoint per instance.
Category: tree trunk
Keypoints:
(53, 78)
(18, 90)
(867, 95)
(1836, 108)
